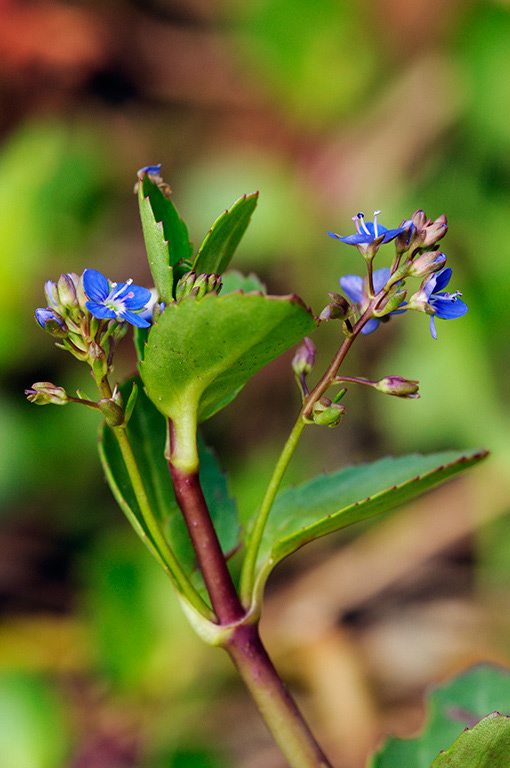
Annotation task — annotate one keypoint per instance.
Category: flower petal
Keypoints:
(370, 326)
(448, 308)
(352, 285)
(442, 279)
(380, 278)
(134, 319)
(96, 285)
(433, 327)
(99, 310)
(141, 297)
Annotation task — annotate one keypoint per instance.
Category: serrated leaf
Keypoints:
(216, 251)
(487, 745)
(147, 434)
(331, 502)
(201, 353)
(457, 705)
(165, 233)
(235, 281)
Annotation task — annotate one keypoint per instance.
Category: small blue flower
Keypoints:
(368, 231)
(353, 287)
(121, 301)
(445, 305)
(44, 315)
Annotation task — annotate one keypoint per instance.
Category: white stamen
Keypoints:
(376, 231)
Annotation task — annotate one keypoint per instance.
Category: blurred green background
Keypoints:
(327, 108)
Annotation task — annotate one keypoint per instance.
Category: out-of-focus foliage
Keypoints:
(326, 108)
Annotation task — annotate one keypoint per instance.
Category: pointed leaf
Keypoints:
(331, 502)
(147, 434)
(216, 251)
(485, 746)
(200, 353)
(452, 707)
(166, 235)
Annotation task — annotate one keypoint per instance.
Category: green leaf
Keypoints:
(485, 746)
(147, 434)
(235, 281)
(166, 235)
(201, 353)
(458, 704)
(331, 502)
(216, 251)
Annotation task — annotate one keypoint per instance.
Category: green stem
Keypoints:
(252, 549)
(247, 575)
(174, 567)
(272, 699)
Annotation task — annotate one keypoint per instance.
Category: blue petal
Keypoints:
(99, 310)
(380, 278)
(352, 285)
(442, 279)
(151, 170)
(447, 308)
(433, 328)
(391, 234)
(357, 239)
(370, 326)
(135, 319)
(141, 297)
(333, 234)
(96, 285)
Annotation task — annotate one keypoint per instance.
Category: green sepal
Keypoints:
(166, 235)
(221, 241)
(331, 502)
(452, 709)
(199, 354)
(146, 431)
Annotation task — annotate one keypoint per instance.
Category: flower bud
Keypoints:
(66, 291)
(426, 232)
(427, 263)
(44, 392)
(337, 309)
(399, 387)
(52, 322)
(391, 303)
(327, 413)
(112, 411)
(192, 285)
(304, 359)
(97, 360)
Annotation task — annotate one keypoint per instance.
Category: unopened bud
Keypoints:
(52, 322)
(427, 263)
(304, 359)
(66, 291)
(426, 232)
(399, 387)
(192, 285)
(44, 392)
(112, 411)
(391, 303)
(337, 309)
(326, 413)
(97, 359)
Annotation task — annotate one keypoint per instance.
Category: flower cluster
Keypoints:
(382, 292)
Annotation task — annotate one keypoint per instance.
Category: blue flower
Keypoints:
(121, 301)
(445, 305)
(353, 287)
(368, 231)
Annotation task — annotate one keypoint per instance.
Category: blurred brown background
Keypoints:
(327, 108)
